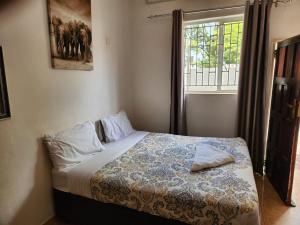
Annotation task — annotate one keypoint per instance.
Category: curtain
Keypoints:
(177, 112)
(253, 75)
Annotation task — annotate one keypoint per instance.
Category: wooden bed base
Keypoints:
(78, 210)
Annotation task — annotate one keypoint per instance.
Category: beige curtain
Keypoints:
(253, 74)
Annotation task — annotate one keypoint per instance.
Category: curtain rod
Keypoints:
(214, 9)
(197, 11)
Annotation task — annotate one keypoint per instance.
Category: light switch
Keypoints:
(107, 41)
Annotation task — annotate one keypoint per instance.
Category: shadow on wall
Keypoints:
(40, 182)
(8, 3)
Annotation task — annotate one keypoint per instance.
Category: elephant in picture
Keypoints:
(64, 40)
(74, 39)
(56, 22)
(85, 40)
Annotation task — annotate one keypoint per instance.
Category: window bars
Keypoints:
(212, 56)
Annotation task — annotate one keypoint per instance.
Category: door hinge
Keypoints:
(297, 108)
(275, 53)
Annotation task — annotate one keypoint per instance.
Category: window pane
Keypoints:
(212, 55)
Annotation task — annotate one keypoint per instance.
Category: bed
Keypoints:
(145, 179)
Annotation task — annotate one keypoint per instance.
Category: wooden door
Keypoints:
(284, 118)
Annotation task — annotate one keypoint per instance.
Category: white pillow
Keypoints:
(72, 146)
(116, 127)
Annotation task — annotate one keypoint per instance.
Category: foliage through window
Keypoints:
(212, 55)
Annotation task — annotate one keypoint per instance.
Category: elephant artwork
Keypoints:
(74, 39)
(56, 22)
(71, 34)
(64, 41)
(85, 40)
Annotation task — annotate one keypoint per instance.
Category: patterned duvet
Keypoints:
(154, 177)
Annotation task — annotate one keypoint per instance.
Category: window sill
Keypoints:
(211, 93)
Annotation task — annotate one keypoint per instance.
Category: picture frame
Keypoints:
(70, 34)
(4, 103)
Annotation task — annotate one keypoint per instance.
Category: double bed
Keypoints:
(145, 178)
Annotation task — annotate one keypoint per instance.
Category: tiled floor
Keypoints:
(274, 211)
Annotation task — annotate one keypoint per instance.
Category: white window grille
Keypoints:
(212, 55)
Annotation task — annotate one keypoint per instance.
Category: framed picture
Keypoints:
(4, 104)
(70, 27)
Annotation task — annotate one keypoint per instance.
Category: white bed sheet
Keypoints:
(76, 180)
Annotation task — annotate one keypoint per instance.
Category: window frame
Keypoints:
(222, 20)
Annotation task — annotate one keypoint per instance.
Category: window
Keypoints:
(212, 55)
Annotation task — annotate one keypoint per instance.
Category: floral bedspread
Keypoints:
(154, 177)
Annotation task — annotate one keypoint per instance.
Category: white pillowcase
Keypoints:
(116, 127)
(72, 146)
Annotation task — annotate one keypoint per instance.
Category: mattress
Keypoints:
(150, 172)
(76, 179)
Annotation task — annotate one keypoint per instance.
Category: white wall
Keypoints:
(44, 100)
(151, 74)
(285, 21)
(212, 115)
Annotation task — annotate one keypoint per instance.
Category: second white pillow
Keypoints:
(116, 127)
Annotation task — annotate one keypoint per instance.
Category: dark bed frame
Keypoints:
(78, 210)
